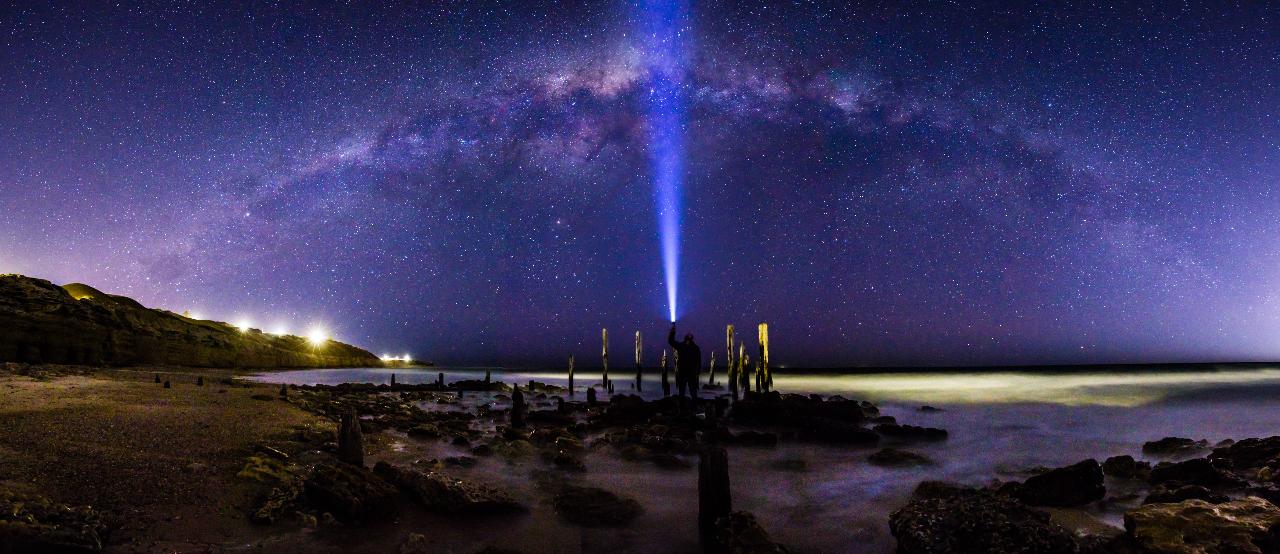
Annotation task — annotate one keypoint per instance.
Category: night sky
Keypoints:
(474, 182)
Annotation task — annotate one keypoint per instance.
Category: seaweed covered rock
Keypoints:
(593, 507)
(440, 492)
(1065, 486)
(942, 519)
(32, 523)
(1164, 493)
(1125, 467)
(1248, 525)
(349, 491)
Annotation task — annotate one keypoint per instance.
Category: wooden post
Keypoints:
(166, 384)
(440, 380)
(744, 380)
(486, 376)
(350, 439)
(666, 382)
(766, 380)
(604, 356)
(571, 376)
(200, 381)
(517, 408)
(639, 373)
(711, 369)
(714, 500)
(284, 391)
(393, 379)
(157, 378)
(591, 396)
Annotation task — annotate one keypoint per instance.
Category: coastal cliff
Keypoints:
(41, 322)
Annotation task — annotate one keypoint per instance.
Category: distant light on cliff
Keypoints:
(392, 358)
(243, 325)
(194, 315)
(317, 336)
(280, 330)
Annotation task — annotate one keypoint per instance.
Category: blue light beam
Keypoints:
(666, 22)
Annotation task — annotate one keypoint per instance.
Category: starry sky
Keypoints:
(885, 183)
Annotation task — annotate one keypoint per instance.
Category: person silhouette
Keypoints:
(688, 363)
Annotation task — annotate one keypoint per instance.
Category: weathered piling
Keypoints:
(166, 384)
(440, 379)
(714, 500)
(199, 380)
(743, 361)
(666, 381)
(486, 376)
(350, 439)
(157, 378)
(517, 408)
(604, 356)
(393, 379)
(284, 391)
(639, 373)
(570, 376)
(711, 369)
(560, 405)
(766, 380)
(591, 396)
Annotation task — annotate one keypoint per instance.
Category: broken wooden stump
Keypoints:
(157, 378)
(393, 379)
(570, 376)
(200, 381)
(517, 408)
(714, 500)
(284, 391)
(591, 396)
(166, 384)
(350, 439)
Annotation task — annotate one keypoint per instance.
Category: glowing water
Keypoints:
(664, 22)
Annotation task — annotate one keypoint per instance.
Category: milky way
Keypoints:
(888, 183)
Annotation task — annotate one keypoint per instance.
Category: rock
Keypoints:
(416, 543)
(448, 495)
(1248, 525)
(1073, 485)
(942, 518)
(1125, 467)
(1166, 494)
(78, 324)
(1174, 446)
(929, 409)
(593, 507)
(32, 523)
(739, 533)
(349, 491)
(425, 431)
(893, 457)
(910, 432)
(1249, 454)
(1198, 471)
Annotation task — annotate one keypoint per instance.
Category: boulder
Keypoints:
(740, 533)
(1249, 454)
(910, 432)
(1164, 493)
(942, 518)
(439, 492)
(1174, 446)
(1125, 467)
(893, 457)
(1248, 525)
(593, 507)
(349, 491)
(1065, 486)
(1198, 471)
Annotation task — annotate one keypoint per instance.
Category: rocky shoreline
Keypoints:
(360, 469)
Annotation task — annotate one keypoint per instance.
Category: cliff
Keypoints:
(77, 324)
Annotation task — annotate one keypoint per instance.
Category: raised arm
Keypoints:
(671, 337)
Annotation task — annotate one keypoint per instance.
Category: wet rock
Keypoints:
(1125, 467)
(1198, 471)
(893, 457)
(830, 431)
(440, 492)
(593, 507)
(740, 533)
(910, 432)
(482, 450)
(425, 431)
(349, 491)
(1249, 454)
(1174, 446)
(1248, 525)
(929, 409)
(32, 523)
(1165, 493)
(1072, 485)
(942, 518)
(416, 543)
